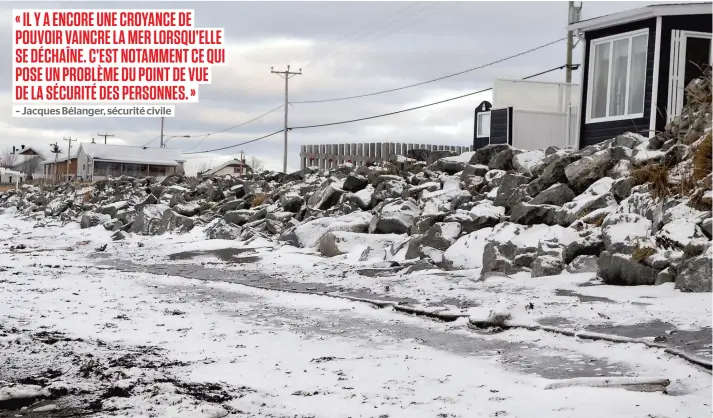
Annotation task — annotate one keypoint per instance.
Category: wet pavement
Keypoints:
(517, 356)
(697, 342)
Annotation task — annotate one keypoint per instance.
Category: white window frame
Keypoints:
(479, 124)
(677, 69)
(590, 75)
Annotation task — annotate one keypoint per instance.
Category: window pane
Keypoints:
(619, 77)
(638, 74)
(601, 83)
(484, 124)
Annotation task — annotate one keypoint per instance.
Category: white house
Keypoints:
(233, 167)
(8, 176)
(528, 114)
(99, 161)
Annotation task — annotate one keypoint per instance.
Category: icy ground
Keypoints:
(173, 328)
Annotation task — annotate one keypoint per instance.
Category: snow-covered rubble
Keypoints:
(498, 209)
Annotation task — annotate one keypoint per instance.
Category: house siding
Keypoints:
(500, 126)
(696, 23)
(594, 133)
(61, 169)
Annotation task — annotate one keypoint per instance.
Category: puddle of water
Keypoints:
(225, 254)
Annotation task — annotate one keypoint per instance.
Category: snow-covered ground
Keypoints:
(140, 344)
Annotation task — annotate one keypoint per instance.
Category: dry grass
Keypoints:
(701, 94)
(642, 253)
(657, 177)
(259, 200)
(600, 220)
(702, 159)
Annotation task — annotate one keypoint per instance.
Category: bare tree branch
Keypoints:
(30, 164)
(256, 164)
(8, 159)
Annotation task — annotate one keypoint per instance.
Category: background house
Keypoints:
(528, 115)
(58, 171)
(234, 167)
(8, 176)
(636, 65)
(29, 162)
(99, 161)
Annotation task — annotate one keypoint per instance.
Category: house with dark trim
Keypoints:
(636, 65)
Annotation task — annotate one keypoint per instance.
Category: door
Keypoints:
(690, 53)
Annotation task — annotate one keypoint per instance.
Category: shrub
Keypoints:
(642, 253)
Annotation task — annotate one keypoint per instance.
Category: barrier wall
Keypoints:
(328, 156)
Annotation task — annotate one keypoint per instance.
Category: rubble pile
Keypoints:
(636, 210)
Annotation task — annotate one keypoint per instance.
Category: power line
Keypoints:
(232, 127)
(236, 145)
(418, 107)
(435, 79)
(375, 116)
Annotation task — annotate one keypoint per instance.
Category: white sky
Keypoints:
(344, 49)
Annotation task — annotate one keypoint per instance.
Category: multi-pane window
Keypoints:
(617, 80)
(483, 125)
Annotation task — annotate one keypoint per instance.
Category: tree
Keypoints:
(30, 164)
(8, 159)
(256, 164)
(205, 166)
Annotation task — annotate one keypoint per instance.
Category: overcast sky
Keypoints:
(344, 49)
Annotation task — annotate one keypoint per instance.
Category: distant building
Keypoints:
(99, 161)
(8, 176)
(235, 167)
(57, 171)
(328, 156)
(29, 163)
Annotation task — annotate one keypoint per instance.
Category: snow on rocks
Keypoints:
(527, 162)
(509, 210)
(309, 234)
(335, 243)
(395, 217)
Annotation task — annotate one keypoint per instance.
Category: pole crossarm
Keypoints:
(286, 75)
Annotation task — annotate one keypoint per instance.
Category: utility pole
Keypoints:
(55, 150)
(286, 75)
(242, 158)
(574, 15)
(104, 135)
(162, 144)
(69, 153)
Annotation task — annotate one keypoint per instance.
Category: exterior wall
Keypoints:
(10, 176)
(593, 133)
(695, 23)
(105, 169)
(501, 126)
(61, 169)
(231, 170)
(534, 95)
(83, 164)
(533, 130)
(329, 156)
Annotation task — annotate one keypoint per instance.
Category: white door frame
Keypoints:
(677, 69)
